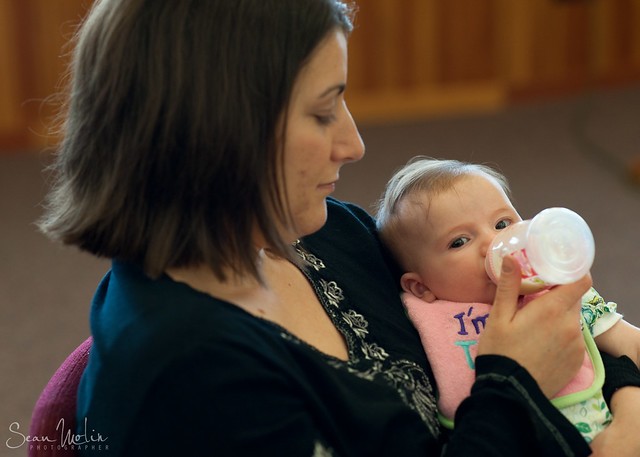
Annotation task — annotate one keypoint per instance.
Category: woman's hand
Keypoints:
(621, 438)
(544, 336)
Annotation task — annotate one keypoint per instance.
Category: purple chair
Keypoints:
(56, 402)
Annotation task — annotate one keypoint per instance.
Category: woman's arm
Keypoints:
(507, 414)
(622, 391)
(620, 438)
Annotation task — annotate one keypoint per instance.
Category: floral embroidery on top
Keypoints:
(357, 322)
(311, 259)
(367, 359)
(331, 290)
(319, 450)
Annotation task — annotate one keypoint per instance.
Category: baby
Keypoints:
(438, 218)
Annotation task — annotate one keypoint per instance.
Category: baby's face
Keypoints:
(456, 233)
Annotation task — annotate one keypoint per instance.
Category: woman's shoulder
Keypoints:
(160, 336)
(159, 318)
(350, 236)
(348, 228)
(342, 212)
(143, 326)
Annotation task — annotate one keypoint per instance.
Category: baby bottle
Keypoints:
(555, 247)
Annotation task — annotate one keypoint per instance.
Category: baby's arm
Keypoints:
(612, 334)
(621, 339)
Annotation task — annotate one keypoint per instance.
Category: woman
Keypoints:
(246, 313)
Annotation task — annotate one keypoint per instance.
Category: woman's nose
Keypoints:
(348, 145)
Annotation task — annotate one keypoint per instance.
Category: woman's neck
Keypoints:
(234, 287)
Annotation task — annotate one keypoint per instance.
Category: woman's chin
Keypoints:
(311, 223)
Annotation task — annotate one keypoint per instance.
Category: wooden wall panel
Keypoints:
(466, 55)
(12, 117)
(573, 46)
(431, 56)
(423, 26)
(634, 25)
(559, 43)
(33, 34)
(514, 29)
(622, 49)
(407, 58)
(467, 41)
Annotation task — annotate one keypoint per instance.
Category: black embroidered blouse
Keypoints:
(176, 372)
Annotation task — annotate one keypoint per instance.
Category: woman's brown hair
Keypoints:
(170, 155)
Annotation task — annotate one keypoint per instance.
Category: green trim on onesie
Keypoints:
(598, 379)
(448, 423)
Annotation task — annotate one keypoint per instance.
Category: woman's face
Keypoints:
(320, 135)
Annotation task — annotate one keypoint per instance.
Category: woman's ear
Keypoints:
(412, 283)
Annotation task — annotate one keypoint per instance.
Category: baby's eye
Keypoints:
(459, 242)
(503, 224)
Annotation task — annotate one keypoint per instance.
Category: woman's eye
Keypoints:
(325, 119)
(459, 242)
(503, 224)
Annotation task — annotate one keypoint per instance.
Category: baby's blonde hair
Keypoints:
(422, 175)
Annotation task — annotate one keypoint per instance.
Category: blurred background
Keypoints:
(548, 91)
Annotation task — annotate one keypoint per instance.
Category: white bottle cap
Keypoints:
(561, 247)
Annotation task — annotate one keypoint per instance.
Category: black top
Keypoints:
(176, 372)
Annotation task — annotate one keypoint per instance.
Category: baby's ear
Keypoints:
(412, 283)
